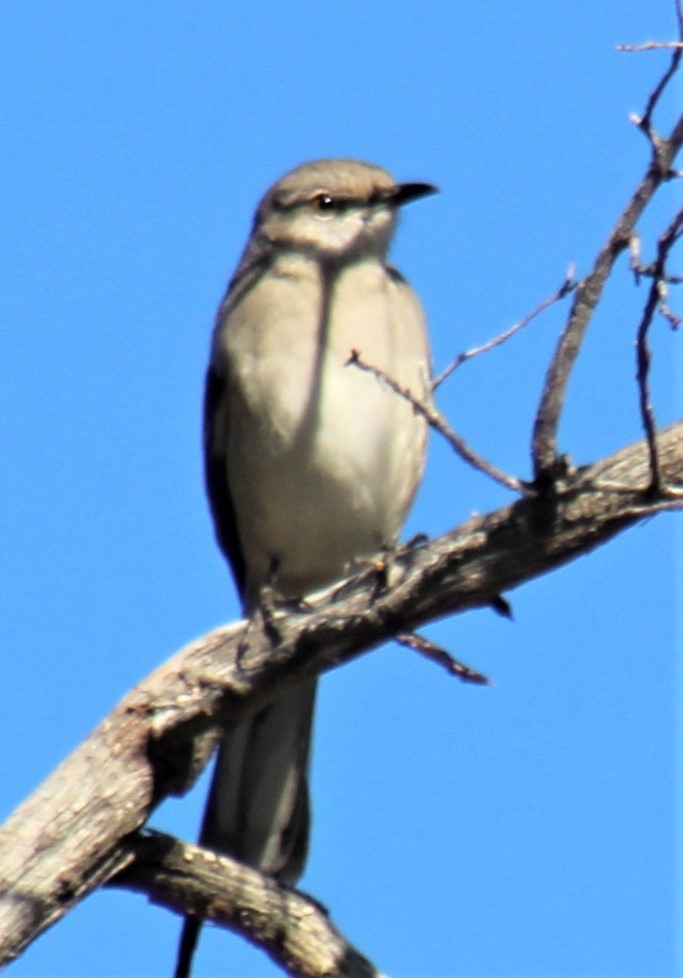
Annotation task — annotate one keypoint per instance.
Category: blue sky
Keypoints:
(527, 830)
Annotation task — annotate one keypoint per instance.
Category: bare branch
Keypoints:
(436, 420)
(586, 297)
(656, 300)
(69, 837)
(651, 46)
(645, 123)
(436, 653)
(643, 356)
(294, 930)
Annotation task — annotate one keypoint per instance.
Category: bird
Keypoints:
(310, 463)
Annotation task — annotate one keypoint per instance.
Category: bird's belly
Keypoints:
(332, 471)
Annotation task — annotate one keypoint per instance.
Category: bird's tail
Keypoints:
(258, 809)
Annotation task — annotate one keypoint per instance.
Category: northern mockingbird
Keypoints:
(310, 462)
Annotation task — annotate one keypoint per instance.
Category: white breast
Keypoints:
(334, 456)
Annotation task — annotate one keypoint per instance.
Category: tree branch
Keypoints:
(589, 289)
(294, 930)
(70, 835)
(436, 420)
(655, 300)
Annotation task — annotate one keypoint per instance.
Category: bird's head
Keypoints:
(334, 209)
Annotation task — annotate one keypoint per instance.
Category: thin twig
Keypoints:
(437, 421)
(436, 653)
(645, 124)
(643, 358)
(651, 46)
(563, 290)
(673, 319)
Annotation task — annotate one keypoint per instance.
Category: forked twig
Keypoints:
(437, 421)
(645, 123)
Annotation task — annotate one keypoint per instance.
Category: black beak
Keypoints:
(403, 193)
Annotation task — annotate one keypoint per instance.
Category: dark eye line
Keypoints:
(322, 202)
(328, 203)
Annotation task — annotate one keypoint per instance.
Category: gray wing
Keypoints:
(216, 421)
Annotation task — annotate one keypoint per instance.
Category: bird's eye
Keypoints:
(328, 205)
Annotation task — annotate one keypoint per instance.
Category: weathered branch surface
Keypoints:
(295, 930)
(70, 835)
